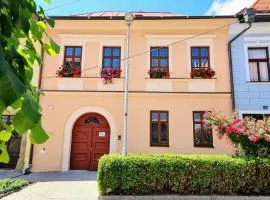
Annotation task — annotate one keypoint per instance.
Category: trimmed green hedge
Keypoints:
(8, 185)
(183, 174)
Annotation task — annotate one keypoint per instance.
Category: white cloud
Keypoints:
(228, 7)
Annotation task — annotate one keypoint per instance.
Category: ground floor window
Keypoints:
(203, 136)
(159, 128)
(256, 116)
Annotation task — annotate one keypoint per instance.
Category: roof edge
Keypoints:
(141, 17)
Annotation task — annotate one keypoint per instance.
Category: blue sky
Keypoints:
(187, 7)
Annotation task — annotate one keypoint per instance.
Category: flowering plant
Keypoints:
(250, 137)
(109, 73)
(158, 73)
(68, 70)
(202, 72)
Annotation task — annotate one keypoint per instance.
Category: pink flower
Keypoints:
(254, 138)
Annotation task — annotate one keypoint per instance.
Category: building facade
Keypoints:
(84, 116)
(250, 62)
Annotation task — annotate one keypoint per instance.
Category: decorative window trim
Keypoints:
(203, 42)
(199, 57)
(257, 45)
(161, 40)
(80, 43)
(168, 132)
(112, 57)
(200, 145)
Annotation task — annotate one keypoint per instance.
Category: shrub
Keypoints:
(8, 185)
(182, 174)
(250, 137)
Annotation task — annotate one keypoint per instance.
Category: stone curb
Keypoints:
(179, 197)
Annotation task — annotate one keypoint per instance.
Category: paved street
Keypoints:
(72, 185)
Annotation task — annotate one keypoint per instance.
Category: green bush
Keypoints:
(8, 185)
(183, 174)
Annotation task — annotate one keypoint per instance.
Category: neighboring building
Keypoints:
(250, 61)
(84, 116)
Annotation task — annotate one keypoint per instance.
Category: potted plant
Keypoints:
(158, 73)
(202, 72)
(109, 73)
(68, 70)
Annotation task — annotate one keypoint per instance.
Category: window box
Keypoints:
(108, 74)
(159, 73)
(202, 73)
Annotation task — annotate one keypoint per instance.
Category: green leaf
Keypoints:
(4, 157)
(47, 1)
(5, 135)
(11, 86)
(30, 108)
(51, 22)
(54, 46)
(17, 104)
(22, 123)
(38, 135)
(2, 107)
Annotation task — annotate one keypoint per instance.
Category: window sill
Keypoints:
(210, 147)
(152, 145)
(258, 83)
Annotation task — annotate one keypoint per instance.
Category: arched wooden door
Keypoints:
(90, 141)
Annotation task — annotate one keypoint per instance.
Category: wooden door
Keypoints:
(90, 141)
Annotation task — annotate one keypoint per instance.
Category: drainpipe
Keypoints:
(231, 64)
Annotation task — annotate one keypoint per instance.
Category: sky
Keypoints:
(186, 7)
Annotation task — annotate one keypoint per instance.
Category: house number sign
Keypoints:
(102, 134)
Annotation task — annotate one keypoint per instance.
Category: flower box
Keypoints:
(159, 73)
(108, 74)
(68, 70)
(202, 73)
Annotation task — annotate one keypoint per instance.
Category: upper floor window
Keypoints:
(159, 128)
(200, 57)
(258, 64)
(73, 56)
(202, 134)
(111, 57)
(159, 57)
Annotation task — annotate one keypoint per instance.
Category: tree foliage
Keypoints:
(22, 26)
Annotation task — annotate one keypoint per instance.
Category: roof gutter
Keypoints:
(231, 64)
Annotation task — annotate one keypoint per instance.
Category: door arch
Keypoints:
(90, 141)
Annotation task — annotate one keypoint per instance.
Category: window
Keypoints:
(159, 128)
(202, 134)
(258, 64)
(256, 116)
(73, 56)
(200, 57)
(111, 57)
(91, 120)
(159, 57)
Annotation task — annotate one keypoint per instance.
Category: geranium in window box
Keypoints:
(109, 73)
(202, 72)
(68, 70)
(158, 73)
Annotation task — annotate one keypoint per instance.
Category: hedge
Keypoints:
(183, 174)
(9, 185)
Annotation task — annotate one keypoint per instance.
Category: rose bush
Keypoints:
(251, 137)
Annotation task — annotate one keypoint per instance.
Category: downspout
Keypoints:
(231, 64)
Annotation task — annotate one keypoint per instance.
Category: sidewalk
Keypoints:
(72, 185)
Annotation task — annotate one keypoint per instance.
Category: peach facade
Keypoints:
(64, 100)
